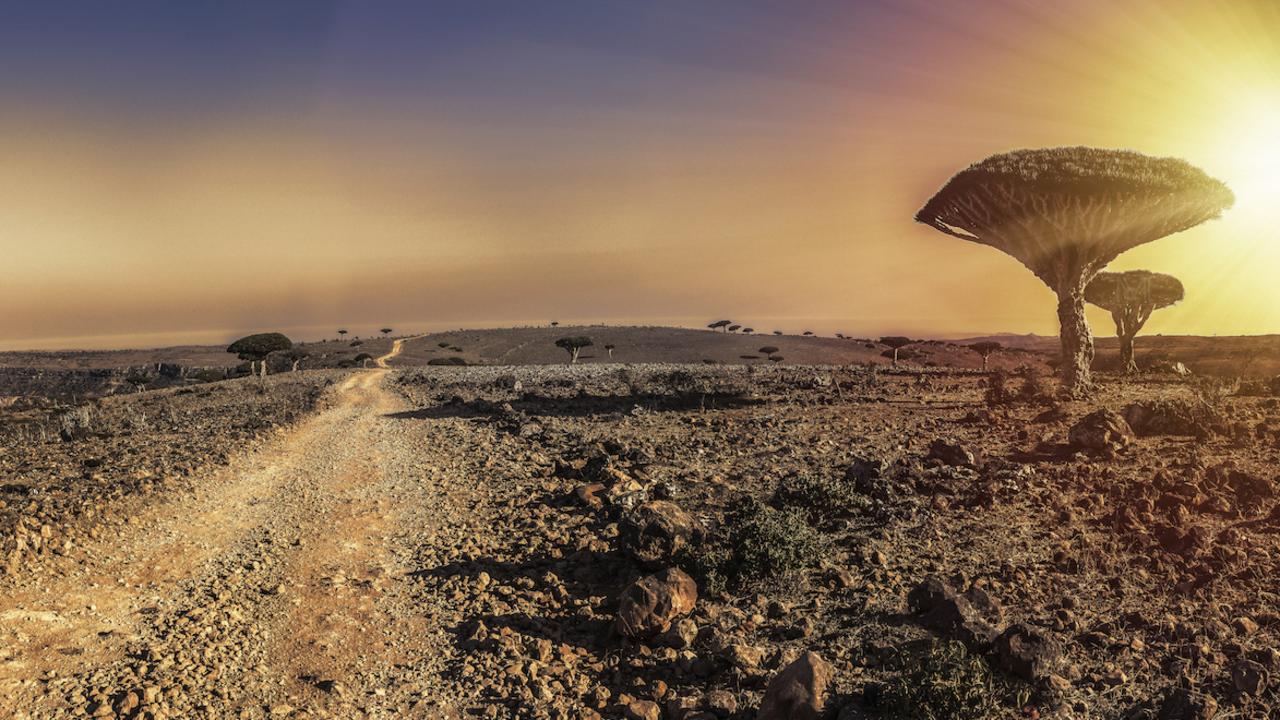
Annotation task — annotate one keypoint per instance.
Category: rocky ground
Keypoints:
(667, 541)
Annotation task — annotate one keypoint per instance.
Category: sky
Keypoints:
(189, 172)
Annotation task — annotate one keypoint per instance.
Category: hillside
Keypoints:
(536, 346)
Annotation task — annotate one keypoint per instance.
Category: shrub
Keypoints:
(757, 548)
(1034, 388)
(442, 344)
(447, 361)
(939, 681)
(822, 499)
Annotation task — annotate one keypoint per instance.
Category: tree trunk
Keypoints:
(895, 357)
(984, 363)
(1077, 342)
(1127, 362)
(573, 356)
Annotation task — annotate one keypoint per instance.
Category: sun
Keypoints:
(1250, 154)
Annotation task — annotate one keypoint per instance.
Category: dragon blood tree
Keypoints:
(1131, 297)
(1067, 212)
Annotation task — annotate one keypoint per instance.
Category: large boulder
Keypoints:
(1101, 431)
(655, 531)
(1173, 416)
(652, 603)
(799, 691)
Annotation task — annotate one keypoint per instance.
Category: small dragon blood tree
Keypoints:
(1131, 297)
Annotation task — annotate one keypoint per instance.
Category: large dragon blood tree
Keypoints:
(1131, 297)
(1067, 212)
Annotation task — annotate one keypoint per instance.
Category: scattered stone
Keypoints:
(940, 608)
(652, 603)
(1027, 653)
(799, 691)
(654, 532)
(1101, 431)
(951, 453)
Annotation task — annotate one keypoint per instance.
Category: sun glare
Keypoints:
(1251, 154)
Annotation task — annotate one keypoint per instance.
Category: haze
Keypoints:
(186, 172)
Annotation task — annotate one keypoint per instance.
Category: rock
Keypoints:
(950, 453)
(799, 691)
(940, 608)
(721, 702)
(681, 634)
(643, 710)
(1169, 367)
(589, 495)
(1172, 417)
(1182, 704)
(1027, 653)
(653, 602)
(1102, 431)
(744, 657)
(1249, 677)
(655, 531)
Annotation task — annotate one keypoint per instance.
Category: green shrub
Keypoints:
(822, 499)
(938, 681)
(757, 548)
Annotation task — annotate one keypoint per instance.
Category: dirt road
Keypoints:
(281, 587)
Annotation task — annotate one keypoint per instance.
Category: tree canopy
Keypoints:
(1133, 289)
(1061, 211)
(257, 347)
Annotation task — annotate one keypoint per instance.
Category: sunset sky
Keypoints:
(187, 171)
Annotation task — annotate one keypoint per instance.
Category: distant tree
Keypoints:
(733, 328)
(555, 323)
(1067, 212)
(775, 358)
(364, 358)
(896, 343)
(748, 331)
(573, 346)
(1131, 297)
(840, 335)
(719, 324)
(256, 348)
(985, 348)
(609, 349)
(342, 333)
(385, 331)
(807, 333)
(767, 350)
(777, 332)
